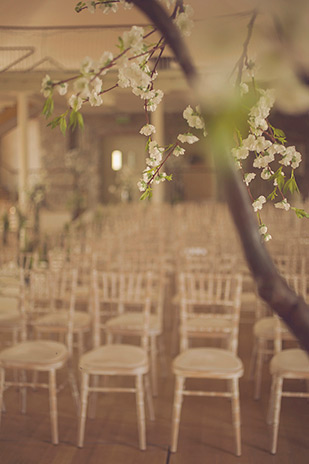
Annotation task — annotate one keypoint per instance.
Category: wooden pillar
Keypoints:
(22, 120)
(157, 119)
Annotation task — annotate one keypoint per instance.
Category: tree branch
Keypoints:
(271, 286)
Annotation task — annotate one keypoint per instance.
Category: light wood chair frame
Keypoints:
(140, 373)
(232, 376)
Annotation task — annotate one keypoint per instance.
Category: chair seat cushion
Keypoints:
(9, 318)
(207, 362)
(265, 328)
(290, 362)
(60, 318)
(34, 355)
(133, 321)
(208, 324)
(115, 358)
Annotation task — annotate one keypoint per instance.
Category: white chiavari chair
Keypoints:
(208, 362)
(39, 356)
(264, 333)
(287, 364)
(118, 359)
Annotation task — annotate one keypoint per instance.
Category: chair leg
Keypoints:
(80, 341)
(276, 413)
(270, 410)
(2, 377)
(93, 398)
(83, 410)
(73, 384)
(236, 415)
(178, 398)
(23, 392)
(140, 408)
(259, 369)
(149, 398)
(252, 365)
(153, 362)
(162, 356)
(53, 407)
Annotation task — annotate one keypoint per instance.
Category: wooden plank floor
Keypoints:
(206, 433)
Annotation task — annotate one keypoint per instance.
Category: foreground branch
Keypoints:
(271, 286)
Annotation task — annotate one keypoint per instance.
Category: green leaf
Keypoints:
(73, 119)
(63, 125)
(48, 107)
(291, 185)
(278, 134)
(80, 119)
(300, 213)
(146, 194)
(272, 195)
(80, 6)
(121, 44)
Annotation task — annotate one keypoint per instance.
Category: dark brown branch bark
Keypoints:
(271, 286)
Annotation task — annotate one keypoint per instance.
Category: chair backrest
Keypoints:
(51, 291)
(116, 292)
(41, 294)
(211, 296)
(13, 295)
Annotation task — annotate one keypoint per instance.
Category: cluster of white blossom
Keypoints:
(155, 160)
(133, 72)
(264, 233)
(183, 20)
(265, 150)
(107, 7)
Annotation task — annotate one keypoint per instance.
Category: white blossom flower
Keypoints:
(105, 59)
(126, 5)
(296, 160)
(95, 99)
(263, 161)
(266, 173)
(109, 7)
(276, 148)
(267, 237)
(97, 85)
(141, 186)
(154, 101)
(250, 142)
(147, 130)
(262, 229)
(86, 65)
(187, 138)
(178, 151)
(46, 86)
(248, 177)
(134, 39)
(81, 86)
(193, 118)
(155, 152)
(243, 88)
(131, 75)
(75, 102)
(262, 144)
(258, 203)
(240, 152)
(184, 22)
(283, 205)
(62, 88)
(91, 6)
